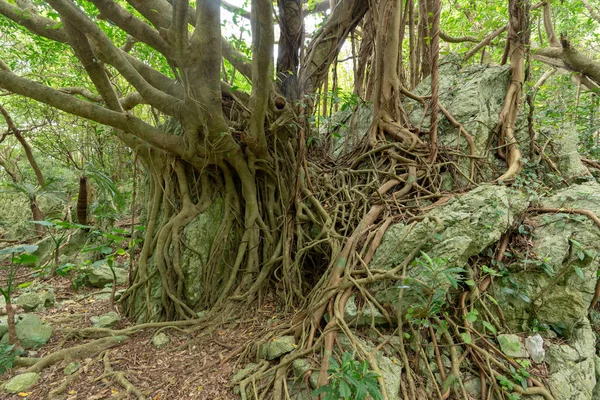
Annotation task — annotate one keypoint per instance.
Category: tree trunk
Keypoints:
(82, 201)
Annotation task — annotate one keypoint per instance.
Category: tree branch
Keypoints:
(41, 26)
(573, 60)
(85, 109)
(235, 10)
(132, 25)
(115, 57)
(447, 38)
(595, 14)
(485, 42)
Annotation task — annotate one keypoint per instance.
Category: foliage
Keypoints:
(350, 380)
(20, 255)
(7, 357)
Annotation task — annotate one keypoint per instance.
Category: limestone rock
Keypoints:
(392, 373)
(21, 382)
(301, 366)
(568, 245)
(31, 331)
(198, 235)
(572, 365)
(101, 275)
(535, 347)
(160, 341)
(71, 368)
(365, 316)
(33, 301)
(466, 225)
(280, 346)
(107, 320)
(512, 346)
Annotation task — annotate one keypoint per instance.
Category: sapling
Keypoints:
(16, 261)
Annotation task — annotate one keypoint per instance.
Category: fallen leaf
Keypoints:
(23, 394)
(72, 391)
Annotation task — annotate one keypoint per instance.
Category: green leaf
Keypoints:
(489, 327)
(24, 248)
(345, 391)
(466, 338)
(25, 259)
(579, 272)
(524, 297)
(25, 285)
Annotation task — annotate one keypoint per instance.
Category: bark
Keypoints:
(326, 44)
(288, 58)
(82, 201)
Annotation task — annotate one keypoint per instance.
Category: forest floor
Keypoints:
(192, 366)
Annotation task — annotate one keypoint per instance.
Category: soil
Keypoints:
(192, 366)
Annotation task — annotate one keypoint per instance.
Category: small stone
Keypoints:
(280, 346)
(21, 382)
(512, 346)
(535, 348)
(71, 368)
(107, 320)
(161, 340)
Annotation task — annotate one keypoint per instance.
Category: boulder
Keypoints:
(31, 331)
(36, 301)
(21, 382)
(449, 235)
(101, 275)
(198, 235)
(107, 320)
(556, 285)
(278, 347)
(365, 316)
(573, 365)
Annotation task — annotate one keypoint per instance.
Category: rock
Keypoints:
(198, 235)
(466, 225)
(512, 346)
(596, 393)
(21, 382)
(301, 366)
(560, 282)
(391, 372)
(71, 368)
(280, 346)
(161, 340)
(346, 128)
(107, 320)
(3, 325)
(33, 301)
(535, 347)
(367, 315)
(101, 275)
(31, 331)
(565, 152)
(572, 365)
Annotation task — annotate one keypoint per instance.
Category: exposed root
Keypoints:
(75, 353)
(119, 377)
